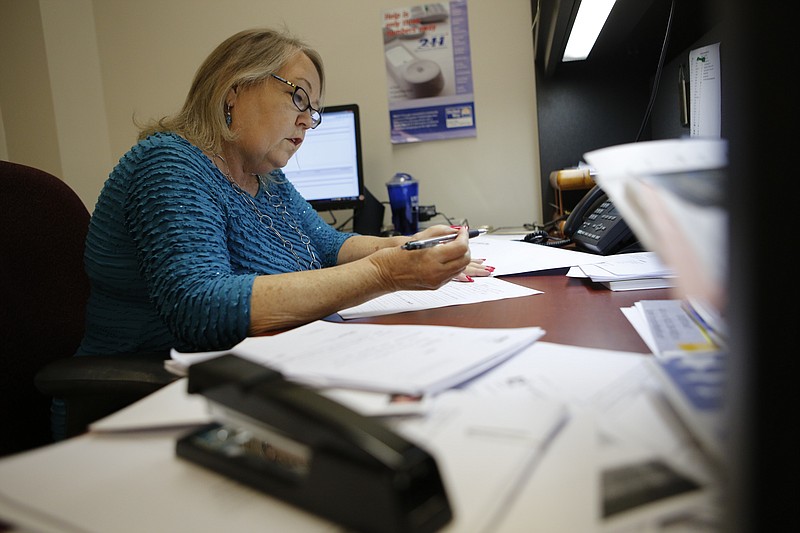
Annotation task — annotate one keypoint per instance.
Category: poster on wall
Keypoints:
(429, 72)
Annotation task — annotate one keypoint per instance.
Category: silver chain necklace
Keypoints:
(276, 202)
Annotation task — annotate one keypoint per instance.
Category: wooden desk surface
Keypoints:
(571, 311)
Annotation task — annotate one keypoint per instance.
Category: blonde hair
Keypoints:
(244, 59)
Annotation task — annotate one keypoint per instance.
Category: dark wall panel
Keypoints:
(577, 116)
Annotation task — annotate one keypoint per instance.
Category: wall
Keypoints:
(3, 145)
(113, 60)
(25, 90)
(666, 117)
(576, 117)
(600, 102)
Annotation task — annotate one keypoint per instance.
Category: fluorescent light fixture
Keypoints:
(592, 15)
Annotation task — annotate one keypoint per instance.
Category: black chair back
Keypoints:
(44, 287)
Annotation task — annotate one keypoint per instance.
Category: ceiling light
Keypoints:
(592, 15)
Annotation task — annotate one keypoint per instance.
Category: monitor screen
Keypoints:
(327, 170)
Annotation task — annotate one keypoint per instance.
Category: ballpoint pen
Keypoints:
(427, 243)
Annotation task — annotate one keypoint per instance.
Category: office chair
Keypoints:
(43, 226)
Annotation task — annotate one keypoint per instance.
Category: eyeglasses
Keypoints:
(302, 102)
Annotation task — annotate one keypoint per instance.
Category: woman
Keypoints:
(198, 240)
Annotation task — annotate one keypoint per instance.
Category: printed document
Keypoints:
(511, 255)
(453, 293)
(401, 359)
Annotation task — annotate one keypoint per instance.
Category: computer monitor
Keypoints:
(327, 170)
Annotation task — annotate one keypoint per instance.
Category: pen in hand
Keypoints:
(427, 243)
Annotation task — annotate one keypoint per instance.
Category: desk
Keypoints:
(558, 498)
(571, 311)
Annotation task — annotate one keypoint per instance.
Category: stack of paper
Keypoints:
(671, 194)
(639, 270)
(690, 363)
(396, 359)
(670, 328)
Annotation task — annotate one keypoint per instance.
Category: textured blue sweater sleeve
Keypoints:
(178, 226)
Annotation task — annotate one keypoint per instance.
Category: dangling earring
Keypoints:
(228, 118)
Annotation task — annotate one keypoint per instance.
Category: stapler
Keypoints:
(289, 441)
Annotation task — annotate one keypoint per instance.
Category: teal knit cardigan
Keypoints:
(173, 250)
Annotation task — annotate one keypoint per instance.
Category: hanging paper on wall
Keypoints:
(429, 72)
(704, 86)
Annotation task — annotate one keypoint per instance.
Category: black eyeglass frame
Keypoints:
(318, 112)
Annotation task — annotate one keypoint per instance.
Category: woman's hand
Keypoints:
(437, 230)
(369, 267)
(475, 269)
(428, 268)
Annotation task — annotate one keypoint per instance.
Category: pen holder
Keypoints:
(404, 200)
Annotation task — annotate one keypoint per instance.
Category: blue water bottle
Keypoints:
(404, 200)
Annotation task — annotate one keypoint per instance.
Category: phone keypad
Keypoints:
(599, 224)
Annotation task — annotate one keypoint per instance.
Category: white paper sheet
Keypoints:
(620, 393)
(483, 451)
(404, 359)
(510, 256)
(453, 293)
(635, 265)
(705, 83)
